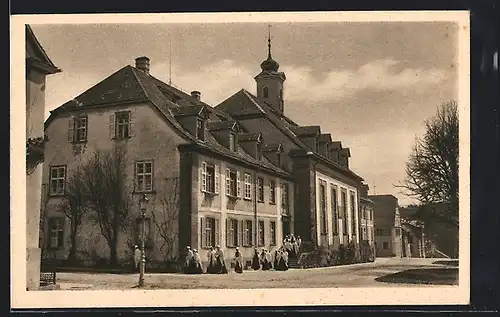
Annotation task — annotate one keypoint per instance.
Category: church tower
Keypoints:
(270, 81)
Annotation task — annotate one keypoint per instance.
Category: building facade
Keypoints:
(366, 217)
(240, 174)
(387, 223)
(208, 181)
(38, 66)
(327, 198)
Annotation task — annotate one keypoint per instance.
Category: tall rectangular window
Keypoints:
(272, 232)
(248, 186)
(210, 232)
(200, 129)
(262, 239)
(144, 176)
(335, 225)
(210, 178)
(247, 231)
(122, 125)
(344, 212)
(231, 182)
(56, 233)
(322, 198)
(260, 189)
(80, 129)
(272, 192)
(57, 180)
(353, 214)
(285, 201)
(232, 232)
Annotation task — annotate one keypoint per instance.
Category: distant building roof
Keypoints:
(36, 55)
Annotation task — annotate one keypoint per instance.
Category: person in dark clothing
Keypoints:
(220, 265)
(256, 260)
(238, 265)
(276, 258)
(211, 261)
(264, 260)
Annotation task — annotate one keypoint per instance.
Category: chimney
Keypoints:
(196, 95)
(142, 63)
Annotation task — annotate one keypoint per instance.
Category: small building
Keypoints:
(38, 66)
(388, 237)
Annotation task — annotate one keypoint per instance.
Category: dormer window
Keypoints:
(265, 92)
(232, 142)
(200, 129)
(259, 151)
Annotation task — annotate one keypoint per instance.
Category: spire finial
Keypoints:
(269, 41)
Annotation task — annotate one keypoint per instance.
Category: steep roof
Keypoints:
(130, 85)
(244, 103)
(306, 130)
(36, 54)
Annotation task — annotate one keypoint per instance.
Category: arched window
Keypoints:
(265, 92)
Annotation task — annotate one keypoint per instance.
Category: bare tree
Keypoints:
(74, 206)
(107, 194)
(165, 220)
(432, 168)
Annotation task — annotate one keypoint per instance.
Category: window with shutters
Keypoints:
(353, 214)
(334, 207)
(247, 237)
(200, 129)
(57, 180)
(262, 239)
(285, 203)
(122, 125)
(272, 192)
(260, 189)
(344, 211)
(56, 233)
(210, 232)
(232, 233)
(248, 186)
(232, 183)
(80, 125)
(272, 232)
(144, 176)
(322, 199)
(210, 178)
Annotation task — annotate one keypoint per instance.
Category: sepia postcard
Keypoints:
(240, 159)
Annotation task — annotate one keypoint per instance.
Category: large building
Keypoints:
(242, 172)
(388, 237)
(38, 66)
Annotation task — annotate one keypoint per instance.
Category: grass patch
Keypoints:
(433, 276)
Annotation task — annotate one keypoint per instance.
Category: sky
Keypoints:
(370, 84)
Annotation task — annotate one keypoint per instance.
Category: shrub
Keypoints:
(342, 254)
(367, 252)
(350, 253)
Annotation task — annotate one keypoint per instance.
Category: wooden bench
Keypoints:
(48, 269)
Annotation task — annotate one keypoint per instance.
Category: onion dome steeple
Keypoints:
(269, 64)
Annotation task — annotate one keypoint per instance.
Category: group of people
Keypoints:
(266, 261)
(260, 261)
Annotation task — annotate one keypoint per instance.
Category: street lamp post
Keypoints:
(142, 205)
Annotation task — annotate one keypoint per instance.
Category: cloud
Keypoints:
(220, 79)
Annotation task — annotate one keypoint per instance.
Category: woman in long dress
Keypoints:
(211, 261)
(256, 260)
(220, 265)
(264, 260)
(198, 268)
(238, 265)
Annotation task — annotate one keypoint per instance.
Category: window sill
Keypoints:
(79, 142)
(57, 195)
(232, 197)
(122, 139)
(260, 201)
(207, 193)
(139, 192)
(271, 203)
(247, 199)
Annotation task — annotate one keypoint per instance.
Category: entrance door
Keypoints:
(286, 227)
